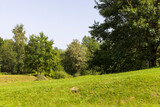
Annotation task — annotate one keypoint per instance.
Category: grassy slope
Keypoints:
(138, 88)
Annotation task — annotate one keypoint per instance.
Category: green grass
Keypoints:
(137, 88)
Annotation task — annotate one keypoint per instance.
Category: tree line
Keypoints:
(17, 56)
(128, 39)
(37, 55)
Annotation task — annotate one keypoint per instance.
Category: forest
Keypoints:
(128, 39)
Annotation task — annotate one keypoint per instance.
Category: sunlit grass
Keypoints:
(16, 78)
(138, 88)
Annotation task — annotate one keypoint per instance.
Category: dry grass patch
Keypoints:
(16, 78)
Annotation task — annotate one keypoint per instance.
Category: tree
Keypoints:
(75, 58)
(92, 46)
(60, 57)
(40, 55)
(19, 47)
(8, 56)
(127, 33)
(1, 42)
(145, 16)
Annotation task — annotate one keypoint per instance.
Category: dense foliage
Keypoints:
(37, 56)
(130, 35)
(19, 47)
(8, 57)
(91, 45)
(75, 58)
(40, 55)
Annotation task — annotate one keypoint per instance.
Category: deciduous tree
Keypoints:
(91, 47)
(75, 58)
(19, 47)
(129, 34)
(8, 56)
(40, 55)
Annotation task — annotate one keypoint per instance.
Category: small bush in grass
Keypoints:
(77, 74)
(86, 72)
(90, 72)
(61, 74)
(5, 73)
(41, 77)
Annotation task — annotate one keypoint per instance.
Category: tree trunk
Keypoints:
(153, 59)
(37, 69)
(153, 62)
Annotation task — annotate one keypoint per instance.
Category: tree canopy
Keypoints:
(40, 56)
(8, 57)
(19, 46)
(129, 34)
(75, 58)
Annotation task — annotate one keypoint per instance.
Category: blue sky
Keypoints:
(60, 20)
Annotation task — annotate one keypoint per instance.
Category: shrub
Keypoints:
(90, 72)
(86, 72)
(41, 77)
(61, 74)
(5, 73)
(77, 74)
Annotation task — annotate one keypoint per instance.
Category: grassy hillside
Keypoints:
(138, 88)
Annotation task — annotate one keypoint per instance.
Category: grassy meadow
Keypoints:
(136, 88)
